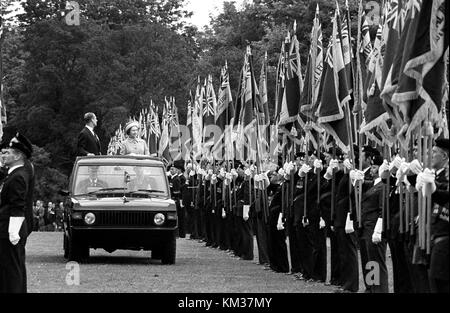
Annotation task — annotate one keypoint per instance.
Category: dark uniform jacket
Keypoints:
(439, 216)
(13, 200)
(88, 143)
(176, 184)
(242, 196)
(371, 207)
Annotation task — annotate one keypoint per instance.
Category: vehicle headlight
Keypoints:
(159, 219)
(89, 218)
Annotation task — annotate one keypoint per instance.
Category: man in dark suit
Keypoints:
(88, 141)
(14, 215)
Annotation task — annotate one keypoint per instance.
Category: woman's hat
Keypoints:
(131, 124)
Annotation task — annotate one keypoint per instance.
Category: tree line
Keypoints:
(123, 54)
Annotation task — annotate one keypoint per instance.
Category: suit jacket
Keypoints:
(440, 211)
(371, 207)
(13, 200)
(88, 143)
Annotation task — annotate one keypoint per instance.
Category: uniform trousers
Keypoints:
(13, 276)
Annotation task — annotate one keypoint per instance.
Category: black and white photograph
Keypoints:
(222, 154)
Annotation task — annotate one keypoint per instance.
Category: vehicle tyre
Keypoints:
(169, 251)
(156, 254)
(77, 251)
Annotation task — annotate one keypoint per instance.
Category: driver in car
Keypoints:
(92, 183)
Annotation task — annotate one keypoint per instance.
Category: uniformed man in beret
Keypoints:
(14, 212)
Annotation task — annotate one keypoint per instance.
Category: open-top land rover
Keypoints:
(119, 202)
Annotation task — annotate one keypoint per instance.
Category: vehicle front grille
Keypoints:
(113, 218)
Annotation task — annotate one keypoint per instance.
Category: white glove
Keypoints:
(210, 172)
(191, 173)
(396, 163)
(328, 174)
(416, 167)
(234, 173)
(376, 236)
(304, 170)
(280, 222)
(288, 167)
(224, 215)
(245, 215)
(334, 164)
(181, 204)
(222, 173)
(305, 221)
(213, 179)
(281, 172)
(383, 170)
(424, 178)
(322, 223)
(401, 172)
(348, 165)
(263, 181)
(356, 175)
(349, 225)
(248, 172)
(15, 223)
(318, 165)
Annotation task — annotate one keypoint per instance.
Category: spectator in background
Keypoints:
(40, 213)
(59, 216)
(51, 217)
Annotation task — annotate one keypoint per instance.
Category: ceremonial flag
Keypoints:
(263, 114)
(425, 63)
(224, 116)
(247, 99)
(374, 111)
(163, 150)
(209, 116)
(314, 69)
(390, 45)
(188, 142)
(154, 130)
(335, 93)
(174, 130)
(344, 31)
(293, 84)
(197, 121)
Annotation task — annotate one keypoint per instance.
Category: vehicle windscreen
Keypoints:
(100, 179)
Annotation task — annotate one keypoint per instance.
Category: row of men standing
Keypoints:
(228, 215)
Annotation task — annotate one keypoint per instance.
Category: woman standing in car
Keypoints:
(133, 144)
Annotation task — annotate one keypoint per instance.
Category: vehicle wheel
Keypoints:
(169, 251)
(77, 251)
(156, 254)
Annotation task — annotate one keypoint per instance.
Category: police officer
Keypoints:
(14, 212)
